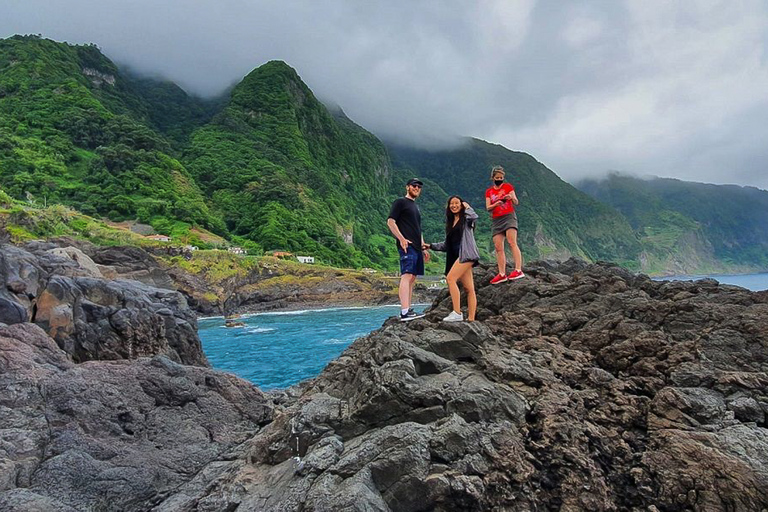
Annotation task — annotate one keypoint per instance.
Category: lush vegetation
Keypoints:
(73, 131)
(287, 174)
(23, 223)
(268, 167)
(170, 110)
(724, 227)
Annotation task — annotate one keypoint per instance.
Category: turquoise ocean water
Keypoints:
(754, 282)
(277, 350)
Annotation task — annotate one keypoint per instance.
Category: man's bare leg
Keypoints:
(405, 291)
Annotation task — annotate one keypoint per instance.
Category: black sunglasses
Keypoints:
(415, 186)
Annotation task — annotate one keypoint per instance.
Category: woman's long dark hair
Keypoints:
(449, 215)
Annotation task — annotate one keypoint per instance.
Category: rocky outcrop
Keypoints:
(269, 286)
(85, 263)
(580, 387)
(92, 318)
(111, 435)
(133, 263)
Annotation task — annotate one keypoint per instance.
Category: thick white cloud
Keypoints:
(675, 89)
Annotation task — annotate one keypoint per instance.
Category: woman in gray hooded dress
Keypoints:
(461, 257)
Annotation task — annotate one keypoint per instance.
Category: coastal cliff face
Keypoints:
(581, 387)
(272, 284)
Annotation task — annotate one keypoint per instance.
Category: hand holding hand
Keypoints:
(425, 246)
(427, 256)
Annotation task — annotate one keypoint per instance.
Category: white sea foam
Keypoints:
(334, 341)
(317, 310)
(257, 330)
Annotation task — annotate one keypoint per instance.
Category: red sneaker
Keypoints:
(500, 278)
(516, 274)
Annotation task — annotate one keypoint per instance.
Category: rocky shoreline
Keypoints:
(260, 288)
(581, 387)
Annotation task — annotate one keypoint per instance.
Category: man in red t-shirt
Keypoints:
(500, 200)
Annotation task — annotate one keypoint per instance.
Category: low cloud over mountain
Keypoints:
(674, 90)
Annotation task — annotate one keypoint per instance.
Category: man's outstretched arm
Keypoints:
(392, 225)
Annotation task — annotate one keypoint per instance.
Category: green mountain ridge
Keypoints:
(270, 167)
(73, 131)
(171, 111)
(688, 227)
(288, 175)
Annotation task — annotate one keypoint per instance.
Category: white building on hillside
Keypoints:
(158, 238)
(306, 259)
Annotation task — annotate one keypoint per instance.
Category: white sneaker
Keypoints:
(454, 317)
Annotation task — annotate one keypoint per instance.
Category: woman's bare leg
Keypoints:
(501, 258)
(468, 282)
(516, 254)
(457, 270)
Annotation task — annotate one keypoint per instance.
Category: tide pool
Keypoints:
(277, 350)
(754, 282)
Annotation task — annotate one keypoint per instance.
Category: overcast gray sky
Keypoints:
(670, 88)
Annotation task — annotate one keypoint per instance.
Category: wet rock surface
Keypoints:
(581, 387)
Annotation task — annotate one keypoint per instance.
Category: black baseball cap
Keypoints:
(415, 181)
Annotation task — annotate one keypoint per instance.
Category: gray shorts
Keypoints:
(501, 224)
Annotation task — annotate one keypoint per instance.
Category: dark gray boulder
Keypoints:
(132, 263)
(21, 277)
(92, 318)
(112, 435)
(100, 319)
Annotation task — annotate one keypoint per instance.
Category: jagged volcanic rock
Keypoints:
(111, 435)
(581, 387)
(93, 318)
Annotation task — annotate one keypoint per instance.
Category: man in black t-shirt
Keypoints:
(405, 224)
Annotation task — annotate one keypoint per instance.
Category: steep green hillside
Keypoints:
(170, 110)
(690, 227)
(269, 167)
(556, 220)
(277, 169)
(74, 131)
(287, 174)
